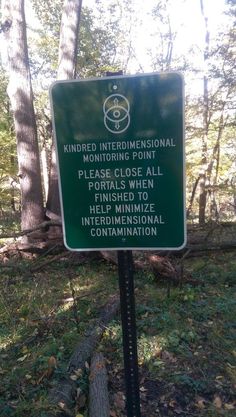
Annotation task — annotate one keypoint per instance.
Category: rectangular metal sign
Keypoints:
(120, 153)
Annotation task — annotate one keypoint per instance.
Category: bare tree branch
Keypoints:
(40, 226)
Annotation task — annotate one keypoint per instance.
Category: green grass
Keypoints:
(38, 321)
(9, 223)
(186, 341)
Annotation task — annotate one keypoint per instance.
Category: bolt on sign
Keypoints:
(120, 154)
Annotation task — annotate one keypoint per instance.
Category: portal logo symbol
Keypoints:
(116, 110)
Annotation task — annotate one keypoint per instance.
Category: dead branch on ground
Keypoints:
(98, 389)
(63, 394)
(25, 232)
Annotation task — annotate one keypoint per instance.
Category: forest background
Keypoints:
(50, 298)
(108, 36)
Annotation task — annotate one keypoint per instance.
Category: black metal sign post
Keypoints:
(127, 308)
(127, 305)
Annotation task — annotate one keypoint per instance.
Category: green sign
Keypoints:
(120, 156)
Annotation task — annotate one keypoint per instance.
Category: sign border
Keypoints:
(59, 174)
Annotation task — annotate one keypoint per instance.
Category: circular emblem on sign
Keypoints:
(116, 113)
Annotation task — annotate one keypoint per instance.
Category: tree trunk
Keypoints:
(203, 177)
(69, 39)
(66, 70)
(202, 199)
(21, 98)
(189, 209)
(98, 390)
(44, 163)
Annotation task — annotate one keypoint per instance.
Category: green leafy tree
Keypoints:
(95, 54)
(165, 35)
(99, 39)
(9, 194)
(210, 123)
(67, 59)
(21, 99)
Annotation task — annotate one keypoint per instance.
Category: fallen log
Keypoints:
(87, 346)
(110, 256)
(29, 250)
(63, 394)
(98, 389)
(165, 270)
(230, 245)
(37, 240)
(162, 267)
(25, 232)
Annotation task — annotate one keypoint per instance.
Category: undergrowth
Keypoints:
(186, 338)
